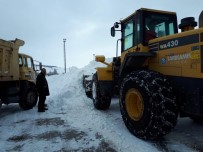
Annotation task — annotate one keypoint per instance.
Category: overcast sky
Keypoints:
(43, 24)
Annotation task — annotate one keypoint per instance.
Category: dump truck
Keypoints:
(159, 75)
(17, 75)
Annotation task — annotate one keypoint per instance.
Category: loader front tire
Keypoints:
(101, 100)
(147, 104)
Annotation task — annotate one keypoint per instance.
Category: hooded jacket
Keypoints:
(42, 85)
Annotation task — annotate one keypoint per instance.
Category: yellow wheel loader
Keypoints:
(17, 76)
(159, 75)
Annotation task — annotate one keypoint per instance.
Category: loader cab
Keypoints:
(26, 68)
(142, 26)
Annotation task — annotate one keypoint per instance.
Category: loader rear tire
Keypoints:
(101, 101)
(147, 104)
(29, 100)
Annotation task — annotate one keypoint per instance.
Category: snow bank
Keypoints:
(67, 95)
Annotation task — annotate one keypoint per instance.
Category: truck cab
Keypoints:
(27, 68)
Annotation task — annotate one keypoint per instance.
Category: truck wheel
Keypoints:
(0, 103)
(29, 100)
(147, 104)
(101, 101)
(197, 119)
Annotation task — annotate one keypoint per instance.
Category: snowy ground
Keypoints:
(72, 124)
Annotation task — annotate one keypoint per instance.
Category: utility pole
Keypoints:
(64, 47)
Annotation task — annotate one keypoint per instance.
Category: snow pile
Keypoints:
(68, 96)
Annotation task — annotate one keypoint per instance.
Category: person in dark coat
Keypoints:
(43, 90)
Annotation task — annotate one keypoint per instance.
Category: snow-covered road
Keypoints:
(73, 124)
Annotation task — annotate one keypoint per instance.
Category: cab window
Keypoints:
(160, 24)
(25, 62)
(29, 63)
(128, 35)
(20, 61)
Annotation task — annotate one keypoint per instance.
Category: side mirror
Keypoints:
(40, 65)
(113, 31)
(116, 25)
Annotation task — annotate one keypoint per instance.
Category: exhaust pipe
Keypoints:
(201, 20)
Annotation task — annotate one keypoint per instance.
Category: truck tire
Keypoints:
(1, 103)
(197, 119)
(101, 101)
(147, 104)
(29, 100)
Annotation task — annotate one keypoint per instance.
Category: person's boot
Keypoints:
(45, 108)
(41, 110)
